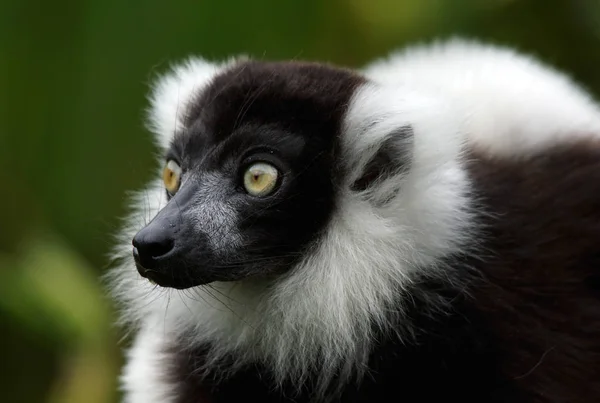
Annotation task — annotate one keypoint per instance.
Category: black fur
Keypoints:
(392, 157)
(527, 330)
(539, 295)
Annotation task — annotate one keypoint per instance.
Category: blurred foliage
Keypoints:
(73, 79)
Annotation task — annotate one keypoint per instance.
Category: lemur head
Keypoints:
(251, 176)
(257, 168)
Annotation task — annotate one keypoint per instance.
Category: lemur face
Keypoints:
(252, 177)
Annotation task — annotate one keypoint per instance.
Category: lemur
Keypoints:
(422, 229)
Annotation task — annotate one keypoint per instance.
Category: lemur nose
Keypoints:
(150, 245)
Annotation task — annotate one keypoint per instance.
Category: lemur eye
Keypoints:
(260, 179)
(172, 177)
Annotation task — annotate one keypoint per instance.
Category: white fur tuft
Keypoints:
(144, 375)
(172, 93)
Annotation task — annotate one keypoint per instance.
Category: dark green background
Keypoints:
(73, 79)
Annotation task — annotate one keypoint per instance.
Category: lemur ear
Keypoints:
(391, 158)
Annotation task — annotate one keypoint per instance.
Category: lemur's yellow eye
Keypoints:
(260, 179)
(172, 177)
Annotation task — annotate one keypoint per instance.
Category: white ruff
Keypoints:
(513, 104)
(320, 315)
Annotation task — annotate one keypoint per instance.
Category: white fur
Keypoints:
(512, 104)
(144, 374)
(318, 315)
(173, 92)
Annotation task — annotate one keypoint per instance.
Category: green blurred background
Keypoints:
(73, 79)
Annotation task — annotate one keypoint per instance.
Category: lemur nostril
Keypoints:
(150, 244)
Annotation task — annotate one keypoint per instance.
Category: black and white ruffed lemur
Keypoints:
(424, 229)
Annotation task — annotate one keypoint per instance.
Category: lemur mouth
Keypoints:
(169, 272)
(162, 275)
(146, 273)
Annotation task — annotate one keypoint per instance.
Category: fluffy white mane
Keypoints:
(453, 95)
(512, 103)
